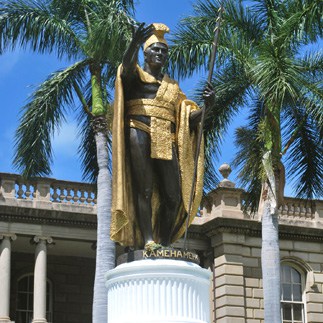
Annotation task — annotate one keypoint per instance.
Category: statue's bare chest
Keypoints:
(136, 89)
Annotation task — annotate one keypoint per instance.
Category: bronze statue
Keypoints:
(154, 139)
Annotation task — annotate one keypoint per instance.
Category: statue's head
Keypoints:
(155, 47)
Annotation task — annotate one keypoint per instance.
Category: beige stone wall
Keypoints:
(238, 290)
(66, 212)
(238, 283)
(72, 279)
(307, 257)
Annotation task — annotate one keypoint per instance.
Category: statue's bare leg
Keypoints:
(170, 190)
(141, 169)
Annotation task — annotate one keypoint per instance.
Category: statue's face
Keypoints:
(156, 54)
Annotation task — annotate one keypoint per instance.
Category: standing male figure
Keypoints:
(154, 140)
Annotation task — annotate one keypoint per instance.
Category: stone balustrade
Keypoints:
(45, 192)
(69, 192)
(298, 209)
(224, 201)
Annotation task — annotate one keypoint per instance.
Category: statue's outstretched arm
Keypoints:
(130, 57)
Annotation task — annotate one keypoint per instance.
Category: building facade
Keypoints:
(47, 253)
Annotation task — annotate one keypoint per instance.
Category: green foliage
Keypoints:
(250, 144)
(231, 85)
(306, 151)
(94, 32)
(41, 117)
(265, 62)
(32, 23)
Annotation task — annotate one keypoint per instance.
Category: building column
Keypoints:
(40, 278)
(5, 268)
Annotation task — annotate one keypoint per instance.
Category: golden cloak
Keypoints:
(124, 224)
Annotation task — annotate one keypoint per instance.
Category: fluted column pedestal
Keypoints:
(158, 291)
(5, 268)
(40, 279)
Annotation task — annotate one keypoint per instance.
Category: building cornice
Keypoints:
(50, 217)
(253, 228)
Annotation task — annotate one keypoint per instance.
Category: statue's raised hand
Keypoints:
(141, 33)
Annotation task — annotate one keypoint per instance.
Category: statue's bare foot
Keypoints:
(152, 245)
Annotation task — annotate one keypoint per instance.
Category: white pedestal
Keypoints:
(158, 291)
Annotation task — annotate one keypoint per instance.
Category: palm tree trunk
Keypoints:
(105, 252)
(270, 253)
(270, 262)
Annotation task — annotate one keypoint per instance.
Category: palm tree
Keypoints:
(92, 34)
(266, 63)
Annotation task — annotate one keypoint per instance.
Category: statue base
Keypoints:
(158, 291)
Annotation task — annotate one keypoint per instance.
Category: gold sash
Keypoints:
(162, 112)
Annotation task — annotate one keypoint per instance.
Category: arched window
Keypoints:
(292, 295)
(25, 298)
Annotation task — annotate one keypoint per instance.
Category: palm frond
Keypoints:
(307, 81)
(71, 11)
(87, 150)
(303, 22)
(311, 94)
(31, 23)
(276, 74)
(248, 159)
(110, 30)
(266, 12)
(192, 42)
(310, 27)
(41, 116)
(240, 19)
(312, 63)
(190, 49)
(231, 87)
(304, 160)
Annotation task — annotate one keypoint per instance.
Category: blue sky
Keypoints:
(21, 71)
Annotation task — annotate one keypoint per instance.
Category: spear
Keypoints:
(199, 138)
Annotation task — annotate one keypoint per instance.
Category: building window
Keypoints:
(292, 303)
(25, 298)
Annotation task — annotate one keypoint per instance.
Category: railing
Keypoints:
(298, 209)
(14, 187)
(227, 202)
(51, 193)
(79, 193)
(25, 190)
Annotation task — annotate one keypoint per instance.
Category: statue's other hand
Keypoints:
(141, 33)
(208, 95)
